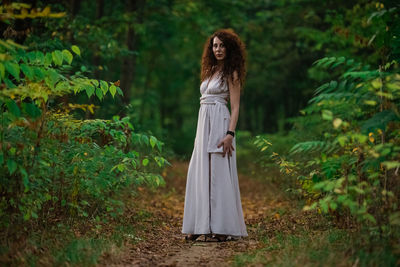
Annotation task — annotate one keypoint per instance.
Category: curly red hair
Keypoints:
(235, 59)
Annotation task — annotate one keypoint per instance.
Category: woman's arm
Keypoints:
(234, 91)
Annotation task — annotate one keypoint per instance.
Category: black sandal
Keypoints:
(191, 237)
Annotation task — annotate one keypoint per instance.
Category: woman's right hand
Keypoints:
(227, 145)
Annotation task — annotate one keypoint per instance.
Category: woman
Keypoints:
(212, 199)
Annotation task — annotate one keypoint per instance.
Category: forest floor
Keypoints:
(149, 233)
(275, 224)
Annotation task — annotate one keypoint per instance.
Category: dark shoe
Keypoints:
(215, 238)
(209, 236)
(221, 238)
(191, 237)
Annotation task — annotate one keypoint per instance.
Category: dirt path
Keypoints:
(160, 242)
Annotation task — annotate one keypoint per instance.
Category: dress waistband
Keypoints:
(213, 99)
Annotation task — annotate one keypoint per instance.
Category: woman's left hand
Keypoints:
(227, 145)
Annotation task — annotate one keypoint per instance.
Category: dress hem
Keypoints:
(216, 233)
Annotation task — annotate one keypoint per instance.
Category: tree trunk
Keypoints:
(96, 56)
(74, 6)
(129, 62)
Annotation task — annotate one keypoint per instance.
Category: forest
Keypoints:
(99, 108)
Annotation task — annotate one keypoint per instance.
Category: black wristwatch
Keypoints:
(231, 133)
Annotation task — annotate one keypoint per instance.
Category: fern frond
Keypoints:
(364, 75)
(332, 96)
(379, 121)
(333, 62)
(344, 85)
(313, 146)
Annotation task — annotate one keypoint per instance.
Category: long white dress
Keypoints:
(212, 198)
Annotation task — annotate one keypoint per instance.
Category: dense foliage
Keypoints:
(53, 163)
(86, 86)
(346, 161)
(154, 48)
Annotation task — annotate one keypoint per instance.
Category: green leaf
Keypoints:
(379, 121)
(48, 59)
(327, 115)
(85, 203)
(357, 189)
(9, 83)
(34, 215)
(39, 57)
(333, 85)
(25, 179)
(104, 86)
(159, 146)
(28, 71)
(159, 160)
(370, 102)
(324, 206)
(67, 56)
(145, 162)
(31, 56)
(99, 93)
(393, 86)
(76, 50)
(134, 164)
(63, 86)
(377, 83)
(370, 218)
(1, 158)
(319, 185)
(13, 69)
(113, 90)
(153, 141)
(89, 90)
(57, 56)
(95, 82)
(2, 70)
(11, 165)
(391, 164)
(38, 73)
(121, 167)
(27, 216)
(13, 107)
(32, 110)
(52, 78)
(145, 139)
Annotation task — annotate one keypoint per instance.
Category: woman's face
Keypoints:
(219, 49)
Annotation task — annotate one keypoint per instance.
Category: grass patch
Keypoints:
(82, 243)
(81, 251)
(332, 247)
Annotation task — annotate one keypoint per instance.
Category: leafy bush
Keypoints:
(349, 165)
(52, 163)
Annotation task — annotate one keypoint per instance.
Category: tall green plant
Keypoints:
(350, 168)
(52, 163)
